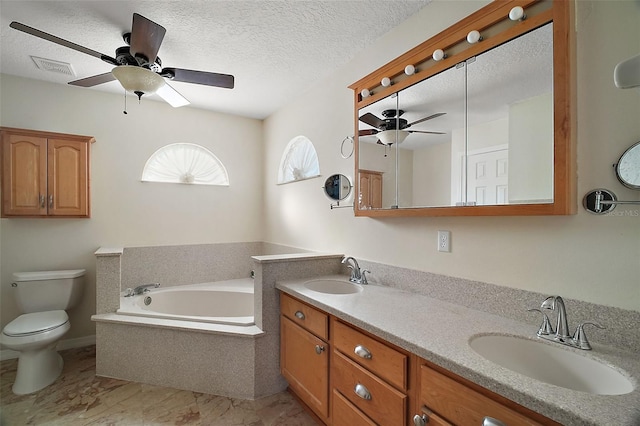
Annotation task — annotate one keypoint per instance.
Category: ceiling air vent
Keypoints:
(54, 66)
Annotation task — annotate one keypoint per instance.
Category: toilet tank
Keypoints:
(48, 290)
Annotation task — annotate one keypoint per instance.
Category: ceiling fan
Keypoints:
(137, 65)
(385, 129)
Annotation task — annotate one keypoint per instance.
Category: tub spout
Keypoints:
(145, 288)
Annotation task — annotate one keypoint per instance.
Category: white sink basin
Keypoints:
(333, 286)
(551, 364)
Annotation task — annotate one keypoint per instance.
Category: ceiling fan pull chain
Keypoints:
(125, 103)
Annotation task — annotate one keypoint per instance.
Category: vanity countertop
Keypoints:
(439, 332)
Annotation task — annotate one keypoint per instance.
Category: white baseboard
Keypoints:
(78, 342)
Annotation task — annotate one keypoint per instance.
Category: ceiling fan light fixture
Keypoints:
(137, 79)
(388, 137)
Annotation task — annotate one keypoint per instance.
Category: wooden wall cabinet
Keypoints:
(367, 381)
(370, 189)
(45, 174)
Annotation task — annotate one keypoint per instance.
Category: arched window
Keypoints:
(185, 163)
(299, 161)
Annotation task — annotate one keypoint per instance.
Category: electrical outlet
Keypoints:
(444, 241)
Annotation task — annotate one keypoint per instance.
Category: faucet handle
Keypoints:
(580, 338)
(545, 328)
(364, 276)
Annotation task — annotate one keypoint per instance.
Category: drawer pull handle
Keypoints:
(299, 315)
(420, 420)
(490, 421)
(319, 349)
(362, 352)
(362, 392)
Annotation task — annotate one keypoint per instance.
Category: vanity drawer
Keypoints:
(461, 405)
(376, 356)
(384, 404)
(307, 317)
(345, 413)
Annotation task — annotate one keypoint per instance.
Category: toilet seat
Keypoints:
(36, 323)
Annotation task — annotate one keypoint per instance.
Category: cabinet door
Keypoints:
(68, 185)
(370, 186)
(24, 175)
(304, 363)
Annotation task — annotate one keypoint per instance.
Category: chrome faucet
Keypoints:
(561, 333)
(556, 303)
(141, 289)
(357, 276)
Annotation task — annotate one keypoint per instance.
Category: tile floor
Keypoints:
(78, 397)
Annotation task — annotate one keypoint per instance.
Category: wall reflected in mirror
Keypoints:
(478, 133)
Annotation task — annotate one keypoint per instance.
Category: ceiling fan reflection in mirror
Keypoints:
(393, 128)
(137, 65)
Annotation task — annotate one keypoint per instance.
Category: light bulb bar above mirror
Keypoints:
(471, 37)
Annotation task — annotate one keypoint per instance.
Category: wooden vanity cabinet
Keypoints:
(44, 174)
(349, 377)
(446, 399)
(369, 374)
(304, 353)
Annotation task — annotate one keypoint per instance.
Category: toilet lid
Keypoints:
(37, 322)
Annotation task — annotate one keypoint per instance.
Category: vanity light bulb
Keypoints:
(409, 70)
(386, 82)
(365, 93)
(474, 37)
(438, 55)
(516, 14)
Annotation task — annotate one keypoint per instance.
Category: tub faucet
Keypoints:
(141, 289)
(562, 326)
(357, 276)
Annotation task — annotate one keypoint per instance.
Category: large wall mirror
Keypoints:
(485, 131)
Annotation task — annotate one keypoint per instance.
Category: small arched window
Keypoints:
(299, 161)
(185, 163)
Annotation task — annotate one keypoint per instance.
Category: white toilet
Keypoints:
(43, 297)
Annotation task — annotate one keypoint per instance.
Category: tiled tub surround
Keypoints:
(406, 315)
(228, 360)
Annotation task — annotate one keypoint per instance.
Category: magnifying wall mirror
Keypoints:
(602, 201)
(628, 167)
(337, 187)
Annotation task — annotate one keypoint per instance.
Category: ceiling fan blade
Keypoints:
(436, 115)
(46, 36)
(171, 96)
(94, 80)
(367, 132)
(146, 38)
(424, 131)
(225, 81)
(372, 120)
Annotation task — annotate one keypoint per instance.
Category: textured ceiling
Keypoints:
(275, 49)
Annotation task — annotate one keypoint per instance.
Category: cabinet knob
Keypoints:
(50, 201)
(41, 199)
(362, 392)
(299, 315)
(319, 349)
(362, 352)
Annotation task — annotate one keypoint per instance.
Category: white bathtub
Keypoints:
(222, 302)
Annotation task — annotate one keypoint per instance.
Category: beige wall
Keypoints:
(585, 257)
(125, 211)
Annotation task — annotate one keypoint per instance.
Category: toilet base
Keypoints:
(37, 369)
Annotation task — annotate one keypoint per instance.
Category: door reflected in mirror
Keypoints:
(478, 133)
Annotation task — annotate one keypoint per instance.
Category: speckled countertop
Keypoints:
(440, 331)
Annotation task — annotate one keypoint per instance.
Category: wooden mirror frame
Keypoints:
(496, 28)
